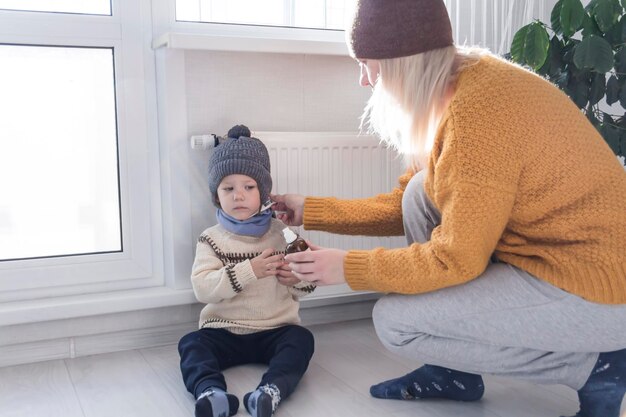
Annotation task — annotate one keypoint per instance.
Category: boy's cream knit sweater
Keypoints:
(517, 171)
(235, 298)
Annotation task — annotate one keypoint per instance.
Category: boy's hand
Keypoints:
(285, 276)
(266, 264)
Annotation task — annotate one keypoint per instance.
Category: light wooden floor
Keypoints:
(348, 359)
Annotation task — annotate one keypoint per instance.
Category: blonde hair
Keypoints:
(410, 98)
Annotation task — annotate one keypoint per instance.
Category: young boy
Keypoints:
(251, 312)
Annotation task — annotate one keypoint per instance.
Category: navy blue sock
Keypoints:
(431, 381)
(602, 394)
(215, 402)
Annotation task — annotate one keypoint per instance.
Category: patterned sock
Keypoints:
(431, 382)
(263, 401)
(602, 394)
(215, 402)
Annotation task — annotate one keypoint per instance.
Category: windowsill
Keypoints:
(85, 305)
(32, 311)
(243, 43)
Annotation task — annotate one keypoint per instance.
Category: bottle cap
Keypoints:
(290, 236)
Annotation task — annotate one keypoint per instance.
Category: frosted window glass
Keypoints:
(266, 12)
(323, 14)
(101, 7)
(59, 191)
(318, 14)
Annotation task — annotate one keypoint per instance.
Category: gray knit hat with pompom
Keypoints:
(241, 154)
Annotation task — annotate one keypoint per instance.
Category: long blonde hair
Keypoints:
(410, 98)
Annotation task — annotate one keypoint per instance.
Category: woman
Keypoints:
(515, 219)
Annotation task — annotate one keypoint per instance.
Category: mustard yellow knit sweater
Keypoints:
(516, 171)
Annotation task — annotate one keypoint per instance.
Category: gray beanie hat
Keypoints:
(242, 154)
(383, 29)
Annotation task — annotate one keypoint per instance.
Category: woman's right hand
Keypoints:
(289, 208)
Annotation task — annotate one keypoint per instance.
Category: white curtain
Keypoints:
(493, 23)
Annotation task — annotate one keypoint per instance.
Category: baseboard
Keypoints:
(75, 337)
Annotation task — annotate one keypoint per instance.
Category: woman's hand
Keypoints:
(266, 264)
(319, 266)
(289, 208)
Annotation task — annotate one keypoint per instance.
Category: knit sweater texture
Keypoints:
(516, 171)
(235, 298)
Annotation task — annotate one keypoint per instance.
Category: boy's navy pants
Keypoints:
(205, 353)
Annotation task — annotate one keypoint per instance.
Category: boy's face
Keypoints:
(239, 196)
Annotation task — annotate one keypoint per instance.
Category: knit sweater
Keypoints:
(516, 171)
(235, 298)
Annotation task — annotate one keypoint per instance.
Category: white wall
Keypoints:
(266, 92)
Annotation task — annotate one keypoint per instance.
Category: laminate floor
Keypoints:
(348, 359)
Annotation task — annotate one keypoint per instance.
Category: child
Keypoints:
(251, 312)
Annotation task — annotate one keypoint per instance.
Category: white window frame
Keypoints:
(173, 34)
(140, 264)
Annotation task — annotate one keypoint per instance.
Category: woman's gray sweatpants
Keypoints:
(505, 322)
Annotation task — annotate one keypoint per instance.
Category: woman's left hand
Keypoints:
(320, 266)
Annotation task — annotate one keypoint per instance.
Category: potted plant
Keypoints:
(583, 52)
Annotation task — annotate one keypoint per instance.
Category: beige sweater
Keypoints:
(235, 298)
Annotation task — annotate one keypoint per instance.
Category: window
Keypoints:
(101, 7)
(58, 145)
(78, 149)
(319, 14)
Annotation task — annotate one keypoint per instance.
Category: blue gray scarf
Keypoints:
(255, 226)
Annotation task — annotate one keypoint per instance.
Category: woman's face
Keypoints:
(370, 71)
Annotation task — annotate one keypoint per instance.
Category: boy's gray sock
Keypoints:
(215, 402)
(263, 401)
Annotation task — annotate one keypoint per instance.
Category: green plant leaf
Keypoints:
(568, 50)
(622, 23)
(598, 88)
(622, 97)
(578, 92)
(620, 61)
(572, 14)
(607, 118)
(562, 80)
(623, 3)
(536, 46)
(612, 90)
(517, 46)
(611, 135)
(594, 53)
(590, 27)
(554, 65)
(555, 18)
(530, 45)
(606, 13)
(589, 7)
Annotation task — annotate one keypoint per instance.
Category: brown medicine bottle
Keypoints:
(294, 242)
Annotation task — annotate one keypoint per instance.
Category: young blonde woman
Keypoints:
(514, 210)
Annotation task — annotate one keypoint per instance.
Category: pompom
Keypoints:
(239, 130)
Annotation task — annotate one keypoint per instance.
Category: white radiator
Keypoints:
(329, 164)
(342, 165)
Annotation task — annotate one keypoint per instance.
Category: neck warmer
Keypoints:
(256, 225)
